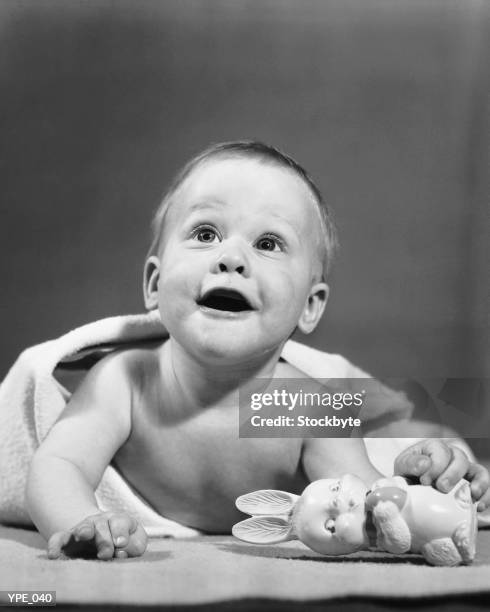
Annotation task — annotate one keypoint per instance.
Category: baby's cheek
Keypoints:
(286, 290)
(175, 290)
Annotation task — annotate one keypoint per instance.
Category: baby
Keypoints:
(243, 243)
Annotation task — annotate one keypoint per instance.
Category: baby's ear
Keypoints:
(151, 276)
(314, 307)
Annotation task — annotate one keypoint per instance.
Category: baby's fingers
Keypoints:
(136, 545)
(411, 463)
(484, 502)
(84, 531)
(56, 543)
(121, 526)
(441, 456)
(456, 469)
(103, 539)
(479, 482)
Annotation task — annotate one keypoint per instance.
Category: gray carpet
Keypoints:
(217, 569)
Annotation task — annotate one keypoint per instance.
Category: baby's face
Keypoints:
(240, 264)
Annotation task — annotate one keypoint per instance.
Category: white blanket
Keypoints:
(31, 400)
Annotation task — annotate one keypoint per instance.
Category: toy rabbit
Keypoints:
(339, 516)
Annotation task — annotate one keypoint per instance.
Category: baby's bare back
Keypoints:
(191, 465)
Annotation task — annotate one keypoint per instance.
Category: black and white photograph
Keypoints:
(245, 320)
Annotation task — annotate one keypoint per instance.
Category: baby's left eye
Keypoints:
(269, 243)
(335, 487)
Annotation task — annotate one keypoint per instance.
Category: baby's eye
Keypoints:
(205, 234)
(335, 487)
(269, 243)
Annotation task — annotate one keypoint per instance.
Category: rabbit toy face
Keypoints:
(329, 517)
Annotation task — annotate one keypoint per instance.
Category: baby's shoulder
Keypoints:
(125, 369)
(139, 363)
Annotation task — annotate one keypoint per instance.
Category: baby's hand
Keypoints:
(106, 535)
(440, 464)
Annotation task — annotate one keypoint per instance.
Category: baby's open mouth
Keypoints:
(225, 299)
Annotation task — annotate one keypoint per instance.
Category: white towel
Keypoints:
(31, 400)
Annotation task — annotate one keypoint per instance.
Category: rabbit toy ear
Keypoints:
(266, 502)
(264, 530)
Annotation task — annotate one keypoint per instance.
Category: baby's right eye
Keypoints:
(205, 234)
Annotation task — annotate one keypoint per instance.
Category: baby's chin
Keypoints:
(226, 348)
(231, 352)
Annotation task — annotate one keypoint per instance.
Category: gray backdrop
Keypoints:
(385, 102)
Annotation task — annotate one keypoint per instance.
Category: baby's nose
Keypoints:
(231, 259)
(231, 264)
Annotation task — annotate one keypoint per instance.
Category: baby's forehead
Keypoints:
(231, 177)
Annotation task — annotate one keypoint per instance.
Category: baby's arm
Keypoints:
(68, 466)
(332, 457)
